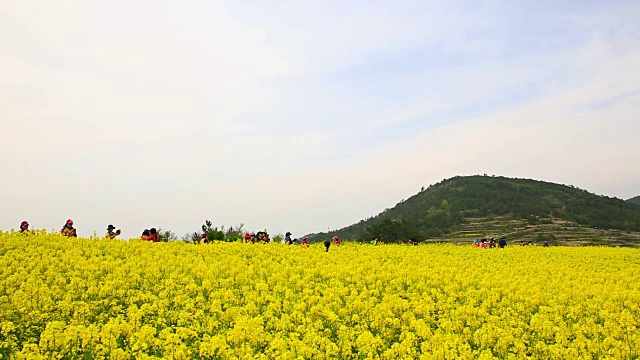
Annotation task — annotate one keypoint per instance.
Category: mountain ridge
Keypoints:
(463, 205)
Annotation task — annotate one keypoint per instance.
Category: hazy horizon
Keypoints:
(300, 115)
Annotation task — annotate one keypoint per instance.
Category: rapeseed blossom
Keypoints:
(110, 299)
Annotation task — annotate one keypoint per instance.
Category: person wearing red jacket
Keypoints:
(68, 229)
(153, 235)
(305, 242)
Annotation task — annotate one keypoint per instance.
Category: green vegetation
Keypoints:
(635, 200)
(392, 230)
(462, 207)
(214, 233)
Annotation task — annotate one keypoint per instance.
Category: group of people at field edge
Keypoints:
(260, 237)
(153, 236)
(150, 235)
(335, 241)
(287, 240)
(263, 237)
(70, 231)
(490, 243)
(67, 228)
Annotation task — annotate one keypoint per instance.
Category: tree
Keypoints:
(278, 238)
(215, 236)
(191, 237)
(206, 228)
(214, 233)
(166, 235)
(234, 233)
(392, 231)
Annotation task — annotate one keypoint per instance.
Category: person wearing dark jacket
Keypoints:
(327, 243)
(502, 243)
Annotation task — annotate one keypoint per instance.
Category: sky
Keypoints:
(304, 116)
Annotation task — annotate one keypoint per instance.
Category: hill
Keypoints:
(635, 200)
(483, 206)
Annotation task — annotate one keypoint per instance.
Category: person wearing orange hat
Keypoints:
(68, 229)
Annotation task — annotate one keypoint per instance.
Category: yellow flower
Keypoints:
(111, 299)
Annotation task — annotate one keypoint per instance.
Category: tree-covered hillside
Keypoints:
(635, 200)
(452, 204)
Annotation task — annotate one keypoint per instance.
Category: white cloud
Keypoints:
(303, 115)
(122, 72)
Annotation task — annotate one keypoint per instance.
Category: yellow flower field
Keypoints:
(97, 299)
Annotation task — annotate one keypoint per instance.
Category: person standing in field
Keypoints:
(502, 243)
(112, 234)
(24, 227)
(305, 242)
(145, 235)
(247, 237)
(336, 240)
(68, 229)
(263, 236)
(153, 235)
(327, 243)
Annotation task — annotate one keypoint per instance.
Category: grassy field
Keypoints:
(98, 299)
